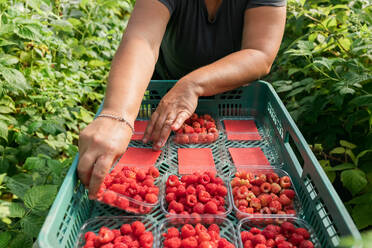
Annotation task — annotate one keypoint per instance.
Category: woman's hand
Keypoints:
(100, 144)
(175, 107)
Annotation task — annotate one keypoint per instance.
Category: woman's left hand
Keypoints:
(175, 107)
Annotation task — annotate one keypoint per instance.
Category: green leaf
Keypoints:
(5, 238)
(7, 59)
(97, 63)
(15, 78)
(28, 32)
(340, 167)
(354, 180)
(34, 164)
(362, 215)
(361, 154)
(363, 199)
(362, 100)
(40, 197)
(338, 150)
(347, 144)
(11, 209)
(22, 240)
(16, 188)
(32, 224)
(3, 130)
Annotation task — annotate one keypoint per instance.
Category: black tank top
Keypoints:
(191, 40)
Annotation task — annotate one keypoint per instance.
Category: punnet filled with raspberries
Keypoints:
(131, 234)
(131, 189)
(280, 233)
(196, 194)
(197, 129)
(194, 236)
(262, 191)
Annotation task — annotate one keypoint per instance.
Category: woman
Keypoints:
(211, 46)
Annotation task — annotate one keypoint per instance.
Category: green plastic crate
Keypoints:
(323, 208)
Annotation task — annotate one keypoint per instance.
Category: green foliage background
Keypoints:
(55, 58)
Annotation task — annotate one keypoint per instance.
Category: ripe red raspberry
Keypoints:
(190, 242)
(265, 210)
(109, 245)
(105, 235)
(289, 192)
(284, 244)
(306, 244)
(275, 188)
(196, 124)
(296, 238)
(151, 198)
(170, 197)
(275, 206)
(221, 190)
(126, 229)
(214, 227)
(116, 232)
(146, 240)
(255, 230)
(200, 188)
(119, 188)
(181, 191)
(194, 138)
(204, 179)
(265, 187)
(256, 190)
(248, 244)
(148, 182)
(187, 231)
(154, 172)
(200, 228)
(279, 238)
(89, 236)
(272, 177)
(176, 206)
(270, 243)
(172, 243)
(211, 188)
(269, 234)
(265, 199)
(260, 246)
(199, 208)
(188, 130)
(109, 197)
(242, 192)
(204, 196)
(191, 200)
(190, 190)
(255, 203)
(173, 181)
(284, 200)
(259, 239)
(210, 207)
(285, 182)
(138, 228)
(223, 243)
(120, 245)
(246, 236)
(303, 232)
(287, 227)
(249, 210)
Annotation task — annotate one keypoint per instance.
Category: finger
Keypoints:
(165, 131)
(155, 135)
(181, 118)
(150, 127)
(100, 170)
(85, 167)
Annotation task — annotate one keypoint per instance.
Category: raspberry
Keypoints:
(221, 190)
(105, 235)
(285, 182)
(148, 182)
(275, 206)
(214, 227)
(284, 244)
(303, 232)
(116, 232)
(204, 179)
(89, 236)
(265, 210)
(270, 243)
(194, 138)
(126, 229)
(109, 245)
(140, 176)
(172, 232)
(289, 192)
(109, 197)
(183, 139)
(275, 188)
(255, 203)
(196, 124)
(191, 200)
(181, 191)
(190, 190)
(259, 239)
(306, 244)
(256, 190)
(248, 244)
(242, 192)
(172, 243)
(206, 244)
(120, 245)
(170, 197)
(200, 188)
(204, 196)
(173, 181)
(125, 239)
(265, 199)
(151, 198)
(246, 236)
(287, 227)
(187, 231)
(210, 138)
(284, 200)
(210, 207)
(154, 172)
(272, 177)
(188, 130)
(200, 228)
(199, 208)
(279, 238)
(269, 234)
(146, 240)
(211, 188)
(255, 230)
(190, 242)
(296, 239)
(265, 187)
(138, 228)
(260, 246)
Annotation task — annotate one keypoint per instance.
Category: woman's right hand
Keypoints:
(100, 144)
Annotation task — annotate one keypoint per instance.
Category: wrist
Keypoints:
(194, 85)
(120, 115)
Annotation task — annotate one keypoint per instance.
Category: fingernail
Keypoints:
(159, 144)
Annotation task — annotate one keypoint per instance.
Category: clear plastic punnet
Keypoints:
(247, 183)
(113, 222)
(164, 204)
(227, 229)
(261, 222)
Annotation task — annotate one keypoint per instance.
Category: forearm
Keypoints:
(131, 71)
(230, 72)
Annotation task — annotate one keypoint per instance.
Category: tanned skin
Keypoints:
(104, 140)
